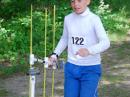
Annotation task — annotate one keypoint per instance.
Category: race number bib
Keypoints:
(78, 40)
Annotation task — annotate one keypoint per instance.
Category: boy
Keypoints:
(85, 38)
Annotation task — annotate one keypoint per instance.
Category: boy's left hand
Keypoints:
(83, 52)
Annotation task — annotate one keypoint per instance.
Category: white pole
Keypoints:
(31, 71)
(33, 85)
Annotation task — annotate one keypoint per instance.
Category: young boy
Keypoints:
(85, 38)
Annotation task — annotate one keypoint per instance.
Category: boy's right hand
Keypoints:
(53, 60)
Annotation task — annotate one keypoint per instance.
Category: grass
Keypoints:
(113, 90)
(113, 86)
(116, 37)
(116, 71)
(7, 71)
(3, 93)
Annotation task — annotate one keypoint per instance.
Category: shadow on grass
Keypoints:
(113, 90)
(116, 71)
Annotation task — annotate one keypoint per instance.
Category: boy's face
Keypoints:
(79, 6)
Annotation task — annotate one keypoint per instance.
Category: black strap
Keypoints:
(55, 54)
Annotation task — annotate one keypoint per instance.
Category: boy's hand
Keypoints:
(53, 60)
(83, 52)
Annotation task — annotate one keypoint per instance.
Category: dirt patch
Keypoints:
(18, 86)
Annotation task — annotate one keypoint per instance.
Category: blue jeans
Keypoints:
(81, 81)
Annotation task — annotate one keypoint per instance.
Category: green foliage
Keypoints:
(116, 24)
(117, 5)
(15, 34)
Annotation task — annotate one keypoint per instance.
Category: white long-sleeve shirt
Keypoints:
(83, 31)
